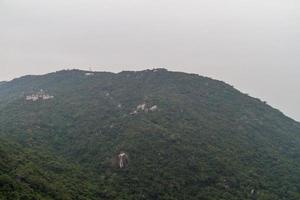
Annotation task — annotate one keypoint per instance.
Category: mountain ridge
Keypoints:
(82, 72)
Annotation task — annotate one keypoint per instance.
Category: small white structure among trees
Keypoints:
(41, 95)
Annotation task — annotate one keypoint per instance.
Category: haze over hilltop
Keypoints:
(251, 44)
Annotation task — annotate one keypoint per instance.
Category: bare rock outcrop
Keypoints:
(123, 160)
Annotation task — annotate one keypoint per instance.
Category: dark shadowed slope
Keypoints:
(184, 137)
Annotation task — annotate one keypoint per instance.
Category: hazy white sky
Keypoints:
(251, 44)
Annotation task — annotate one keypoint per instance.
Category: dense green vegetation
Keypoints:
(201, 139)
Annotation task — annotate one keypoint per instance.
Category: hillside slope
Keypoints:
(185, 136)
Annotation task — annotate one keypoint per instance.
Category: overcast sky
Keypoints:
(251, 44)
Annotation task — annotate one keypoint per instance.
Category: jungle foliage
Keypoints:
(205, 139)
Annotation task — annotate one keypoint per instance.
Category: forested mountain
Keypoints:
(2, 83)
(150, 134)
